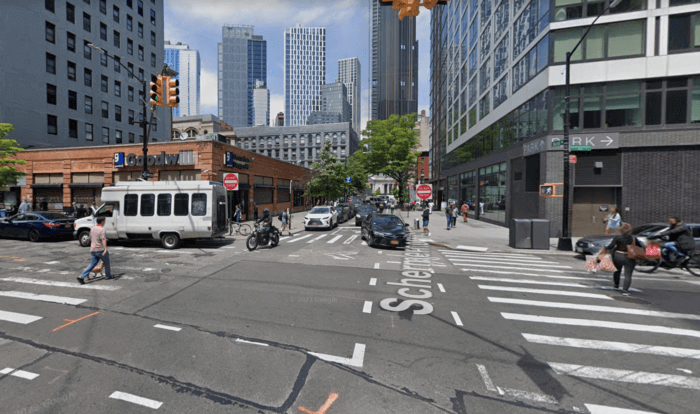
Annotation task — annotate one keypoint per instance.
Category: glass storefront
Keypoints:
(468, 191)
(492, 184)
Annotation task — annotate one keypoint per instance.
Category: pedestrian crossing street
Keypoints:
(569, 317)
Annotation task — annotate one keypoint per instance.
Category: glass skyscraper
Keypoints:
(304, 72)
(186, 62)
(349, 73)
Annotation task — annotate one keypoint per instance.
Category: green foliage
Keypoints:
(378, 192)
(8, 149)
(395, 192)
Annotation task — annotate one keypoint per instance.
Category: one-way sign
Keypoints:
(595, 141)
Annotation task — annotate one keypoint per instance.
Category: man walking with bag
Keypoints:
(98, 250)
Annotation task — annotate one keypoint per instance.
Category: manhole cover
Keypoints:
(630, 299)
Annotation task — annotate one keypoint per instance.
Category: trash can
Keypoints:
(540, 234)
(416, 224)
(520, 236)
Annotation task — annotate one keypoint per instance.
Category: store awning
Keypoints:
(264, 186)
(46, 186)
(86, 185)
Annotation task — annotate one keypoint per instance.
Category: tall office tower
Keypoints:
(335, 107)
(394, 63)
(186, 62)
(261, 104)
(242, 62)
(279, 120)
(304, 73)
(350, 74)
(58, 92)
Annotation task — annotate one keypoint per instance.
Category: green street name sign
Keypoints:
(580, 148)
(557, 144)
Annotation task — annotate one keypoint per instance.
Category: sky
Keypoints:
(198, 24)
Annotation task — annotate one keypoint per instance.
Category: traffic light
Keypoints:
(156, 90)
(172, 92)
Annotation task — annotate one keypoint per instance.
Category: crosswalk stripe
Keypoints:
(335, 239)
(538, 275)
(507, 267)
(468, 262)
(488, 254)
(596, 308)
(603, 409)
(530, 282)
(73, 285)
(43, 298)
(613, 346)
(473, 248)
(545, 292)
(507, 261)
(601, 324)
(299, 238)
(622, 375)
(350, 239)
(317, 238)
(18, 317)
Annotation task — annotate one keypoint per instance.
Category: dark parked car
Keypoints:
(385, 230)
(362, 212)
(37, 225)
(592, 244)
(344, 213)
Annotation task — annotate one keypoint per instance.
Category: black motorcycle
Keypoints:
(690, 263)
(259, 238)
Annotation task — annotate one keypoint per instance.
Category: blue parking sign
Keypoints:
(118, 159)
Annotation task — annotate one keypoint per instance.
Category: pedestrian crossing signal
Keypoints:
(552, 190)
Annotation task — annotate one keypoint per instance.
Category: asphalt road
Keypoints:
(323, 323)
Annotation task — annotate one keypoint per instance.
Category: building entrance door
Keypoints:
(587, 217)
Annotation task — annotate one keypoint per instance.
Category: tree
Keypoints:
(329, 180)
(378, 192)
(390, 149)
(357, 171)
(8, 149)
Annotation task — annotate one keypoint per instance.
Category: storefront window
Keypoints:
(695, 102)
(623, 105)
(492, 183)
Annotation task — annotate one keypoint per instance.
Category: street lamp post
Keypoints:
(565, 239)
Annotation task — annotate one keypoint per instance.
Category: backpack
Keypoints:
(426, 214)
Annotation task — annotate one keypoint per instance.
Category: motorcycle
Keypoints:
(258, 238)
(690, 263)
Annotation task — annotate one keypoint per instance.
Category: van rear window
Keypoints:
(182, 204)
(148, 204)
(131, 205)
(199, 204)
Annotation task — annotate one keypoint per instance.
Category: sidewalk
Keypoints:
(473, 234)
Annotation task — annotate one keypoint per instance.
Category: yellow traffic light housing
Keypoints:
(156, 90)
(172, 92)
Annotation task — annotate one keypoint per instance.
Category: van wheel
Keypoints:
(170, 241)
(84, 238)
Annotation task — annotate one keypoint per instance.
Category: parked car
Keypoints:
(345, 212)
(362, 212)
(592, 244)
(37, 225)
(385, 230)
(320, 217)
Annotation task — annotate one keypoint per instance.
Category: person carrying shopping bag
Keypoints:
(613, 221)
(624, 256)
(465, 211)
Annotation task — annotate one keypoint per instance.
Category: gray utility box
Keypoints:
(520, 234)
(416, 224)
(540, 234)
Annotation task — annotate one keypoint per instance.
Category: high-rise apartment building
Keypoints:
(242, 62)
(335, 107)
(186, 62)
(497, 106)
(304, 72)
(261, 104)
(394, 62)
(58, 92)
(350, 74)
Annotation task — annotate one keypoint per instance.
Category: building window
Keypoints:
(129, 23)
(118, 136)
(103, 60)
(153, 60)
(105, 110)
(50, 32)
(70, 42)
(52, 124)
(153, 38)
(130, 94)
(87, 52)
(623, 105)
(140, 53)
(131, 137)
(131, 116)
(115, 13)
(104, 82)
(117, 64)
(86, 22)
(118, 113)
(140, 7)
(88, 104)
(50, 63)
(153, 17)
(72, 128)
(131, 69)
(72, 100)
(141, 76)
(88, 132)
(683, 32)
(117, 88)
(140, 31)
(129, 46)
(50, 94)
(117, 39)
(103, 7)
(70, 13)
(130, 4)
(623, 39)
(105, 135)
(50, 6)
(71, 71)
(87, 77)
(103, 31)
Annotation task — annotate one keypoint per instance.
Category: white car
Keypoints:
(321, 217)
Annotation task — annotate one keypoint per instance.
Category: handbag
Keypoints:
(591, 264)
(606, 264)
(636, 253)
(653, 251)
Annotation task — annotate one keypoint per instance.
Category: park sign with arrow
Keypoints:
(589, 142)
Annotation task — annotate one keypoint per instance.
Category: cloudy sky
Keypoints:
(198, 23)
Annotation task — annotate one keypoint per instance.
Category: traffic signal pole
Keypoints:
(145, 173)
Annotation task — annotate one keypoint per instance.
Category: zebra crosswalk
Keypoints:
(339, 239)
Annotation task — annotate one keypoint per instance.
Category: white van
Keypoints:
(165, 210)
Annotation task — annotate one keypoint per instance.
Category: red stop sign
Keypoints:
(231, 181)
(424, 191)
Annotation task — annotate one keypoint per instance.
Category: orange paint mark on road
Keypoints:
(72, 321)
(331, 399)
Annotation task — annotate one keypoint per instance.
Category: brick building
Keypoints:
(55, 178)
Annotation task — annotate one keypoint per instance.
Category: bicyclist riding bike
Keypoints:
(681, 244)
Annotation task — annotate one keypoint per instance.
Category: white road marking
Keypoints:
(376, 265)
(43, 271)
(603, 409)
(243, 341)
(543, 398)
(317, 238)
(395, 262)
(24, 374)
(487, 379)
(367, 308)
(293, 255)
(43, 298)
(350, 239)
(489, 254)
(531, 282)
(622, 375)
(169, 328)
(499, 260)
(505, 267)
(462, 262)
(52, 262)
(473, 248)
(373, 281)
(458, 321)
(379, 251)
(73, 285)
(18, 317)
(6, 371)
(613, 346)
(545, 292)
(233, 247)
(601, 324)
(687, 371)
(594, 308)
(334, 239)
(356, 361)
(364, 243)
(296, 239)
(118, 395)
(537, 275)
(442, 288)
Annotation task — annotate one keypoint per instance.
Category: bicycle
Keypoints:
(239, 228)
